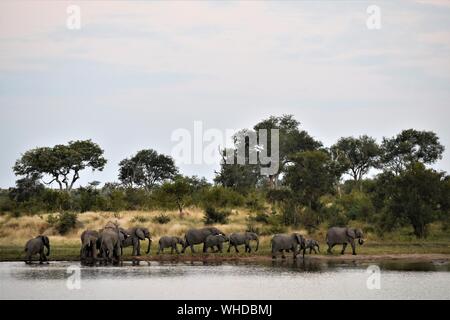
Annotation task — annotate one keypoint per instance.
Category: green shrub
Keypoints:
(358, 205)
(273, 229)
(161, 218)
(255, 201)
(139, 219)
(63, 222)
(212, 215)
(335, 216)
(262, 217)
(221, 197)
(290, 214)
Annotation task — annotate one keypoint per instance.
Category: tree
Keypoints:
(416, 196)
(146, 169)
(63, 163)
(408, 147)
(26, 188)
(241, 178)
(291, 140)
(178, 191)
(311, 175)
(356, 156)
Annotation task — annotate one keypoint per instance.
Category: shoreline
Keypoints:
(346, 258)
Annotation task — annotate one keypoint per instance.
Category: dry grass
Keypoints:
(15, 231)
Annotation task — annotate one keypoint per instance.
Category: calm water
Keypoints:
(280, 280)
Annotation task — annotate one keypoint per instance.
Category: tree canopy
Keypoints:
(146, 169)
(62, 163)
(356, 156)
(410, 146)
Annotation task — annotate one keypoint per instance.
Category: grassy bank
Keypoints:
(15, 231)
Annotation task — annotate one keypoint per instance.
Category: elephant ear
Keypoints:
(140, 233)
(44, 240)
(351, 233)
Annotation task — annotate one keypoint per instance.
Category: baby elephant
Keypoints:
(311, 244)
(36, 246)
(170, 242)
(212, 241)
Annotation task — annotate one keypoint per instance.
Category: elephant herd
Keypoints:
(106, 245)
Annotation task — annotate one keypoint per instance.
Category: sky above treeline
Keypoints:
(137, 71)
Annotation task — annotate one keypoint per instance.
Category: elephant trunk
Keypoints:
(318, 248)
(149, 243)
(48, 249)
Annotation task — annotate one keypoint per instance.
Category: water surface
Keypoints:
(197, 280)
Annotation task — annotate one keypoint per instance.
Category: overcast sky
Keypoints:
(137, 71)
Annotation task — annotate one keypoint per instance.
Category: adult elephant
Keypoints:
(240, 238)
(36, 246)
(281, 242)
(344, 236)
(135, 235)
(197, 236)
(88, 251)
(110, 243)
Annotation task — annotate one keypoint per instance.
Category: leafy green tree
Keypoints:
(291, 141)
(147, 169)
(408, 147)
(239, 177)
(311, 175)
(416, 196)
(63, 163)
(26, 188)
(178, 192)
(356, 156)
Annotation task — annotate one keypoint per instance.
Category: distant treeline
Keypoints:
(307, 191)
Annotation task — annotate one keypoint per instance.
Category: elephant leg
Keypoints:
(176, 249)
(138, 247)
(353, 247)
(219, 247)
(117, 255)
(315, 252)
(236, 249)
(205, 248)
(330, 247)
(343, 248)
(192, 248)
(310, 250)
(229, 247)
(282, 254)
